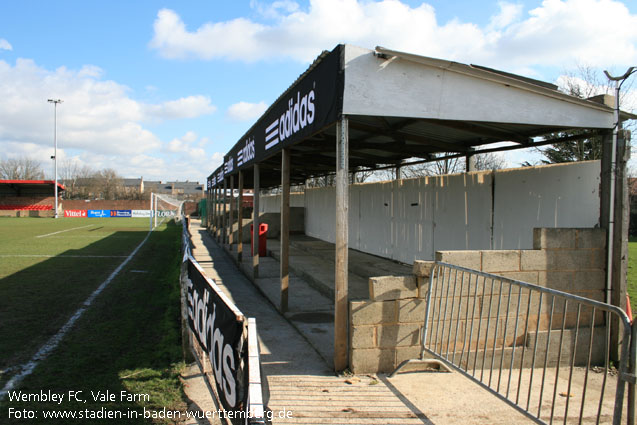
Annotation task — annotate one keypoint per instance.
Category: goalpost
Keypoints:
(165, 207)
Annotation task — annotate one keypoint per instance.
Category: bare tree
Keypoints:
(22, 168)
(485, 161)
(109, 183)
(585, 82)
(490, 161)
(76, 178)
(321, 181)
(360, 175)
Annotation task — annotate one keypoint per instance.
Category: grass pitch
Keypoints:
(127, 340)
(632, 273)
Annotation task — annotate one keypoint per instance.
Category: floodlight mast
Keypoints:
(613, 177)
(611, 227)
(55, 149)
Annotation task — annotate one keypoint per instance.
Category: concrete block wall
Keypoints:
(569, 260)
(387, 328)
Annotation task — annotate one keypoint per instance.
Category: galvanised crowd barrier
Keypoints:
(543, 351)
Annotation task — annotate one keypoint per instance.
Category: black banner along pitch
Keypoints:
(219, 333)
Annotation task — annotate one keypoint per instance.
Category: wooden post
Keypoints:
(341, 255)
(240, 220)
(231, 219)
(209, 210)
(469, 163)
(214, 213)
(217, 214)
(285, 228)
(224, 218)
(255, 224)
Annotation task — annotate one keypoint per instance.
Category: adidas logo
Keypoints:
(247, 153)
(298, 115)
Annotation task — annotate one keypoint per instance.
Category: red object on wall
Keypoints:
(263, 238)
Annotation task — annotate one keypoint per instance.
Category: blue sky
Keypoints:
(163, 90)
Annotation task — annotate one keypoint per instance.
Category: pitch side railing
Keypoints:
(543, 351)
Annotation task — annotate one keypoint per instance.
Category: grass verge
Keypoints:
(632, 273)
(127, 346)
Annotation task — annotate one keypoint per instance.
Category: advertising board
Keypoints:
(121, 213)
(140, 213)
(98, 213)
(74, 213)
(219, 333)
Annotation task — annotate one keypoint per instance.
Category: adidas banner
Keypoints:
(219, 333)
(312, 104)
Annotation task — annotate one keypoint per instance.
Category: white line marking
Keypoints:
(45, 350)
(62, 231)
(61, 256)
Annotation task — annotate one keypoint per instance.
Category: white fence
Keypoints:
(412, 219)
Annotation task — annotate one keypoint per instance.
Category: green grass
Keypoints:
(632, 273)
(129, 338)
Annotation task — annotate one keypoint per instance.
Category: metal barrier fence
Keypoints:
(543, 351)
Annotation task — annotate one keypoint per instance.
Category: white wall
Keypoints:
(272, 203)
(550, 196)
(411, 219)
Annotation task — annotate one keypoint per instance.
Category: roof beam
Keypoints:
(484, 130)
(448, 147)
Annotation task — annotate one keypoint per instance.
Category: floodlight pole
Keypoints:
(613, 177)
(611, 230)
(55, 149)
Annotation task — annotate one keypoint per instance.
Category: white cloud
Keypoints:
(96, 115)
(186, 146)
(509, 13)
(189, 158)
(556, 32)
(99, 123)
(275, 9)
(246, 111)
(563, 31)
(5, 45)
(186, 107)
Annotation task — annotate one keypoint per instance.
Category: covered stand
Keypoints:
(356, 107)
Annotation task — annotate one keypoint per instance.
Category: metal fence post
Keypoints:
(425, 327)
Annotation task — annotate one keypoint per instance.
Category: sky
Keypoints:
(164, 89)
